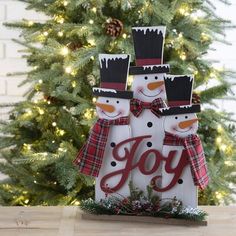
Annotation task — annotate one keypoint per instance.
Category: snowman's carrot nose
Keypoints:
(187, 123)
(154, 85)
(106, 107)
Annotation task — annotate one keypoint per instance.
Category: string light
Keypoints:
(124, 35)
(60, 132)
(130, 80)
(229, 163)
(54, 124)
(180, 35)
(219, 128)
(223, 147)
(59, 19)
(94, 99)
(65, 3)
(30, 23)
(91, 21)
(94, 9)
(204, 37)
(60, 34)
(182, 56)
(64, 51)
(88, 114)
(29, 112)
(92, 58)
(218, 140)
(40, 81)
(91, 42)
(73, 83)
(219, 195)
(184, 11)
(68, 69)
(27, 146)
(41, 111)
(45, 33)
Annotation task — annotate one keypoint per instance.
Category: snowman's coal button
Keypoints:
(180, 181)
(113, 163)
(149, 124)
(149, 144)
(112, 144)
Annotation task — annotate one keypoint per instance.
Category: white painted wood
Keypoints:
(116, 135)
(147, 124)
(185, 191)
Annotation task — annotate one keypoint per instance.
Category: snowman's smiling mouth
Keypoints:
(141, 91)
(182, 131)
(111, 116)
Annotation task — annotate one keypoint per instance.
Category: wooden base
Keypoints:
(143, 219)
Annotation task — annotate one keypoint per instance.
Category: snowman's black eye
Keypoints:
(156, 77)
(145, 77)
(176, 117)
(186, 117)
(117, 101)
(107, 101)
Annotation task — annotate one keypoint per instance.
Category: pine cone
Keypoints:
(196, 99)
(74, 45)
(114, 28)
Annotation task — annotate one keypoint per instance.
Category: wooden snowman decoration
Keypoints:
(187, 169)
(113, 108)
(149, 95)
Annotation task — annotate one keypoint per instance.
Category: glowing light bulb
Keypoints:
(45, 33)
(41, 111)
(218, 140)
(30, 23)
(92, 58)
(94, 9)
(73, 83)
(54, 124)
(182, 56)
(68, 69)
(219, 128)
(124, 35)
(223, 147)
(60, 34)
(40, 81)
(92, 42)
(64, 51)
(65, 3)
(91, 21)
(94, 100)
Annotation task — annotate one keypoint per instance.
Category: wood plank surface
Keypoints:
(67, 221)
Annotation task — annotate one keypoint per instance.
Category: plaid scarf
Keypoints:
(193, 146)
(89, 159)
(137, 106)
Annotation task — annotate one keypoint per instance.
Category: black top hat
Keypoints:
(148, 47)
(113, 71)
(179, 95)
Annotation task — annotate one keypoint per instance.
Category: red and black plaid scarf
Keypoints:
(137, 106)
(193, 146)
(89, 159)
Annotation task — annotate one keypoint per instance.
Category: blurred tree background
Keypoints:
(44, 133)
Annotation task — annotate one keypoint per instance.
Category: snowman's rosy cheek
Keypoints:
(139, 88)
(173, 128)
(121, 111)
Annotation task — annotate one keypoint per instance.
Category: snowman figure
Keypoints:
(149, 95)
(113, 107)
(187, 170)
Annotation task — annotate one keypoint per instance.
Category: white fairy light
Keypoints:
(64, 51)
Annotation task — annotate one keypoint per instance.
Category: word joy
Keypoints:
(130, 165)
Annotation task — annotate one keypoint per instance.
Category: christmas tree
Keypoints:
(45, 132)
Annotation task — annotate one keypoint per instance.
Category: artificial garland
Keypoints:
(139, 205)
